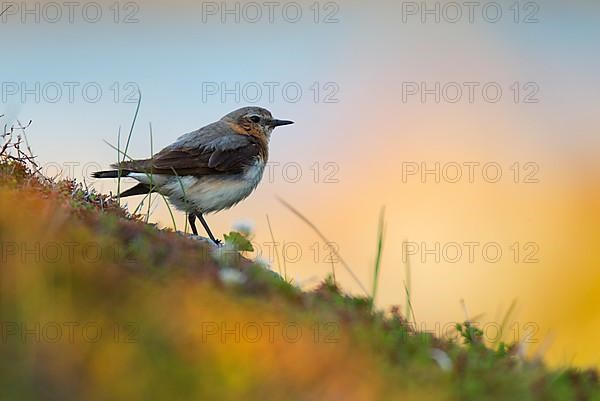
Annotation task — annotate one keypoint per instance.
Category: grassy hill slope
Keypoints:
(97, 305)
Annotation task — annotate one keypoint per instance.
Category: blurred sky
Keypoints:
(359, 145)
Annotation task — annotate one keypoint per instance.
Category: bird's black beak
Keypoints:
(279, 123)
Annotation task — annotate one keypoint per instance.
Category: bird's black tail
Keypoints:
(110, 174)
(139, 189)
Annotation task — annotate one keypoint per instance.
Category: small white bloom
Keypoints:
(442, 359)
(231, 276)
(244, 227)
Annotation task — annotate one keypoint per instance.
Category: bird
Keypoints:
(207, 170)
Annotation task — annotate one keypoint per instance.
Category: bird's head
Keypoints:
(254, 121)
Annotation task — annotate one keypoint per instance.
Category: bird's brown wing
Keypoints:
(200, 161)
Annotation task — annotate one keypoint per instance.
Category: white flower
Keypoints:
(231, 276)
(245, 227)
(442, 359)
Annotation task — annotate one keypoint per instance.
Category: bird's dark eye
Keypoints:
(255, 119)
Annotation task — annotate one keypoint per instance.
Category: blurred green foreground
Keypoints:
(97, 305)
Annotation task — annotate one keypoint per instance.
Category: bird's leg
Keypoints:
(192, 220)
(210, 234)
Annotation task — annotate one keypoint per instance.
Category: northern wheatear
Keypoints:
(207, 170)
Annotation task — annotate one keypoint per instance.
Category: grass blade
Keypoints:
(5, 10)
(151, 182)
(408, 283)
(119, 172)
(409, 305)
(318, 232)
(377, 268)
(184, 196)
(275, 248)
(509, 312)
(137, 110)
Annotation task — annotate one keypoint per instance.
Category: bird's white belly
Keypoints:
(211, 194)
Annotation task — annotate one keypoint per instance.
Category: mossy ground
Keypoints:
(147, 314)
